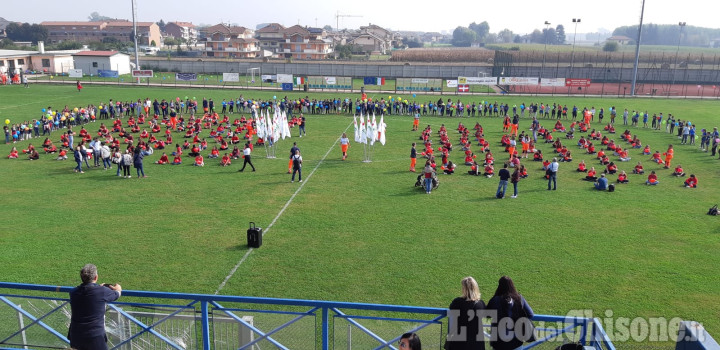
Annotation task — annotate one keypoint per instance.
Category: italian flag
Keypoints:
(380, 81)
(299, 80)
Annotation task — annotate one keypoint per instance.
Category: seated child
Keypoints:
(449, 169)
(545, 164)
(638, 169)
(163, 159)
(591, 175)
(474, 169)
(652, 179)
(581, 167)
(624, 157)
(538, 156)
(646, 150)
(691, 181)
(622, 178)
(177, 160)
(611, 168)
(13, 153)
(62, 155)
(489, 170)
(678, 171)
(225, 161)
(199, 161)
(657, 158)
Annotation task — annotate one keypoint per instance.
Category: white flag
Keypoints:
(363, 135)
(357, 132)
(381, 130)
(260, 127)
(369, 132)
(286, 126)
(375, 128)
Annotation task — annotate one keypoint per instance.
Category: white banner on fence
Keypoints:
(552, 82)
(268, 77)
(330, 80)
(231, 77)
(75, 73)
(285, 79)
(452, 83)
(518, 81)
(477, 80)
(420, 81)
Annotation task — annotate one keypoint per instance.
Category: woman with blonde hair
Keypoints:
(465, 318)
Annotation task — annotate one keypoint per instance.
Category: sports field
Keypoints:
(361, 232)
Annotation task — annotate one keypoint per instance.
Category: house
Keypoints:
(148, 32)
(182, 30)
(305, 43)
(620, 39)
(230, 42)
(16, 61)
(93, 61)
(74, 31)
(374, 39)
(270, 38)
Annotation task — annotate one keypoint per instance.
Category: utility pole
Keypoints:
(572, 59)
(637, 50)
(135, 36)
(547, 29)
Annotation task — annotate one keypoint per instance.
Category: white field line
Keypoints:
(234, 269)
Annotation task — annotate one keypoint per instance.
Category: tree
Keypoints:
(463, 37)
(610, 46)
(153, 43)
(6, 44)
(328, 28)
(96, 17)
(161, 25)
(412, 42)
(537, 37)
(549, 36)
(518, 39)
(481, 30)
(560, 34)
(170, 41)
(68, 45)
(506, 36)
(26, 32)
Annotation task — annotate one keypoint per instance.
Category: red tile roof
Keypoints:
(60, 23)
(184, 24)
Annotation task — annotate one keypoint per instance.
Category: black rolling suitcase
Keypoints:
(254, 236)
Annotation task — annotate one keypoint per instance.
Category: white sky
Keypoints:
(520, 16)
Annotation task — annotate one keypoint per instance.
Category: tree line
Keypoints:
(671, 34)
(480, 34)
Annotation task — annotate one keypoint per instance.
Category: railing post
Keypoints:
(584, 330)
(205, 325)
(325, 328)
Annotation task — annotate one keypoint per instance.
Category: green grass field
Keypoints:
(360, 231)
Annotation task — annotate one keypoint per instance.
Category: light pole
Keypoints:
(547, 26)
(682, 25)
(637, 50)
(572, 57)
(135, 36)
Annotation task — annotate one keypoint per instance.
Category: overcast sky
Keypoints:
(520, 16)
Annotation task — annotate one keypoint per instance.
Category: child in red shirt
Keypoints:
(177, 160)
(591, 175)
(691, 182)
(652, 179)
(622, 178)
(678, 171)
(225, 161)
(639, 169)
(581, 167)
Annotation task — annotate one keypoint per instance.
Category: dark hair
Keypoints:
(506, 290)
(413, 341)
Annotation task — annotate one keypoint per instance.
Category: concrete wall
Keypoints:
(417, 70)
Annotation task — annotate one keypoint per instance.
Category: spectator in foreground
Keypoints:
(464, 316)
(508, 303)
(410, 341)
(87, 304)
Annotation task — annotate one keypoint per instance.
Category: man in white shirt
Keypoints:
(552, 173)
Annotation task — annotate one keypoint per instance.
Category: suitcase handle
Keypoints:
(252, 224)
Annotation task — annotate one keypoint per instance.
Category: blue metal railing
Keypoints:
(210, 322)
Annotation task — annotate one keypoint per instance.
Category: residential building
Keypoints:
(306, 43)
(270, 38)
(620, 39)
(16, 61)
(148, 32)
(182, 30)
(92, 61)
(230, 42)
(374, 39)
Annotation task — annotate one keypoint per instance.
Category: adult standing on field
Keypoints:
(504, 175)
(302, 125)
(293, 150)
(297, 166)
(552, 173)
(246, 157)
(87, 305)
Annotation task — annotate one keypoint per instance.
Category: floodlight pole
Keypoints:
(547, 26)
(637, 50)
(682, 25)
(135, 36)
(572, 57)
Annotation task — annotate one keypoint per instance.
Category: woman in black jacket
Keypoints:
(508, 303)
(465, 328)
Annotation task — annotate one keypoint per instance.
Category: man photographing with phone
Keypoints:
(87, 303)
